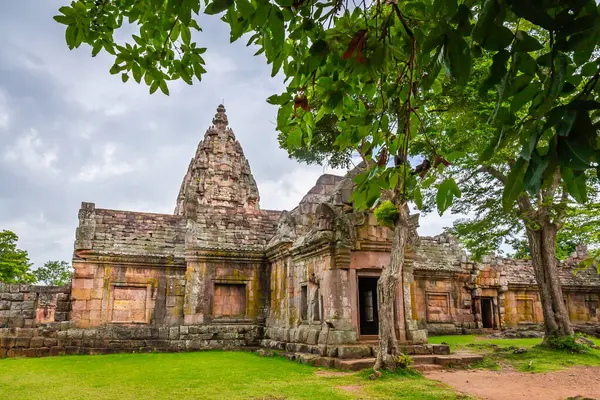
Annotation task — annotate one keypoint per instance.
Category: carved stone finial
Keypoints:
(220, 117)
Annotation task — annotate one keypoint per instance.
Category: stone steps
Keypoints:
(421, 362)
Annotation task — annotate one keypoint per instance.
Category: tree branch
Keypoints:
(493, 172)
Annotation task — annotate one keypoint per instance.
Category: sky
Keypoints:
(71, 132)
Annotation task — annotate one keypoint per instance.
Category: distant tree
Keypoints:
(14, 262)
(54, 273)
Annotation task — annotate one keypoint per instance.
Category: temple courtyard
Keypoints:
(511, 369)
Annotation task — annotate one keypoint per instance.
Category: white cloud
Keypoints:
(31, 152)
(4, 112)
(106, 166)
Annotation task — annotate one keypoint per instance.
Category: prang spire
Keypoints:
(219, 174)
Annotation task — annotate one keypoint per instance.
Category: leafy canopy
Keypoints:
(14, 262)
(371, 65)
(54, 273)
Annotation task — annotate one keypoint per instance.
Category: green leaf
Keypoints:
(163, 87)
(418, 198)
(589, 69)
(124, 77)
(137, 72)
(514, 185)
(526, 43)
(447, 190)
(524, 96)
(218, 6)
(153, 86)
(566, 122)
(277, 26)
(245, 8)
(575, 183)
(526, 63)
(500, 38)
(485, 21)
(457, 57)
(294, 139)
(535, 172)
(186, 34)
(532, 11)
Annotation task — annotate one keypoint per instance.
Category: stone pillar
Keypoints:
(84, 235)
(193, 304)
(413, 333)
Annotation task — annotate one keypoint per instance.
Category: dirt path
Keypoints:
(512, 385)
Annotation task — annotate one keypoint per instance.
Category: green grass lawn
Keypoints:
(500, 351)
(202, 375)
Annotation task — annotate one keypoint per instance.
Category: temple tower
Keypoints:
(219, 173)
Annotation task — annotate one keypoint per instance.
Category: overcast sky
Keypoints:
(71, 132)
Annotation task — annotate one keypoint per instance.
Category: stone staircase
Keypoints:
(426, 357)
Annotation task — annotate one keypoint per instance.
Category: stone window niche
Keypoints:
(438, 307)
(592, 306)
(304, 303)
(229, 300)
(129, 304)
(525, 312)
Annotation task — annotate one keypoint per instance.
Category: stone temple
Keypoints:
(222, 272)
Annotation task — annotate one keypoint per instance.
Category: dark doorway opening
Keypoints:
(487, 313)
(367, 304)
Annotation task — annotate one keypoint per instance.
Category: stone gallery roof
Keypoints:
(438, 253)
(135, 233)
(521, 272)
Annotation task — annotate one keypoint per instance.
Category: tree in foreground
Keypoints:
(54, 273)
(371, 66)
(14, 262)
(550, 211)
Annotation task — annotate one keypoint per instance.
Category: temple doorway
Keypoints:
(367, 305)
(487, 312)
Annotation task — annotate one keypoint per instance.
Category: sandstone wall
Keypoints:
(28, 305)
(114, 293)
(65, 338)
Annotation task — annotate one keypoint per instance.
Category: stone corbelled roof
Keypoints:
(521, 272)
(219, 227)
(135, 233)
(219, 173)
(438, 253)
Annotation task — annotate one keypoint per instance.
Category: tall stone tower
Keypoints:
(219, 173)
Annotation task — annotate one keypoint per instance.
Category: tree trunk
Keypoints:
(386, 296)
(542, 245)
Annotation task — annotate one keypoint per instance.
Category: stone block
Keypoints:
(22, 342)
(42, 352)
(84, 271)
(352, 352)
(97, 294)
(48, 342)
(24, 333)
(75, 334)
(56, 351)
(28, 305)
(174, 333)
(7, 342)
(3, 352)
(80, 294)
(37, 342)
(61, 316)
(15, 352)
(4, 305)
